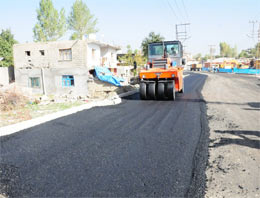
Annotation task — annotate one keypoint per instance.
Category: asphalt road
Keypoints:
(136, 148)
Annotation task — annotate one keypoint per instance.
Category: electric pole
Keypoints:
(181, 32)
(212, 51)
(252, 34)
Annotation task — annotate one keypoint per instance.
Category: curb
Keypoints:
(10, 129)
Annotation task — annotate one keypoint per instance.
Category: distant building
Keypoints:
(60, 67)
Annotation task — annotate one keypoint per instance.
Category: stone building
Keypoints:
(60, 67)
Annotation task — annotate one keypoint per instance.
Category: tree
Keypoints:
(51, 24)
(139, 58)
(130, 57)
(257, 50)
(81, 21)
(227, 51)
(6, 48)
(152, 37)
(197, 57)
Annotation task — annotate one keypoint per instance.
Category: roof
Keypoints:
(165, 42)
(101, 44)
(71, 42)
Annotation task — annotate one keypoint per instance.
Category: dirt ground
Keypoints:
(233, 109)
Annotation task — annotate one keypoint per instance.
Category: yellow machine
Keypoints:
(196, 67)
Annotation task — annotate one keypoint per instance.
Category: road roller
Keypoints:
(163, 74)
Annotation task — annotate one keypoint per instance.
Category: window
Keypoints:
(93, 54)
(68, 81)
(27, 53)
(65, 54)
(42, 52)
(156, 49)
(172, 49)
(35, 82)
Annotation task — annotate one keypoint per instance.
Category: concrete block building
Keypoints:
(60, 67)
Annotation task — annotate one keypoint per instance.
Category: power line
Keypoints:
(177, 6)
(185, 10)
(172, 10)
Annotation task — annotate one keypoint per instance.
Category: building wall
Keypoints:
(52, 80)
(49, 64)
(4, 77)
(108, 56)
(93, 59)
(51, 57)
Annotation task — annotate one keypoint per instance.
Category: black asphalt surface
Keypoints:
(134, 149)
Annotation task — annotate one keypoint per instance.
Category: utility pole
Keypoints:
(252, 34)
(212, 51)
(181, 32)
(258, 43)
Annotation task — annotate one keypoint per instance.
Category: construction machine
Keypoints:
(196, 67)
(163, 75)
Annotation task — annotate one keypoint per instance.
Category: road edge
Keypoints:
(200, 159)
(14, 128)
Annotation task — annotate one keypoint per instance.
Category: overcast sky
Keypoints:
(124, 22)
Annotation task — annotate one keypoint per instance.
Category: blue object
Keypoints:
(246, 71)
(205, 69)
(225, 70)
(174, 64)
(67, 81)
(105, 75)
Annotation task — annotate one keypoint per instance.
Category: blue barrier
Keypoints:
(225, 70)
(246, 71)
(235, 70)
(205, 69)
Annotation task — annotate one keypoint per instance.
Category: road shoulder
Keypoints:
(233, 114)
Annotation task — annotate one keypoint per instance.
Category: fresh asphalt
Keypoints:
(134, 149)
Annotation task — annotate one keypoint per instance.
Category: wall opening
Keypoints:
(42, 52)
(27, 53)
(68, 81)
(65, 54)
(35, 82)
(93, 54)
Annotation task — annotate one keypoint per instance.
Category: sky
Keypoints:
(128, 22)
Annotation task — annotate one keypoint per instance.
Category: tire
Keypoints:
(171, 90)
(160, 91)
(151, 91)
(142, 91)
(182, 90)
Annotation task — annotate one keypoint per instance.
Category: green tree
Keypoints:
(152, 37)
(130, 57)
(197, 57)
(139, 58)
(257, 50)
(81, 21)
(51, 24)
(227, 51)
(206, 57)
(243, 54)
(6, 48)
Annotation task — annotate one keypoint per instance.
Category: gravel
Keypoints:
(233, 104)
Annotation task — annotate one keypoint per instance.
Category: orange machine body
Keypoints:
(175, 73)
